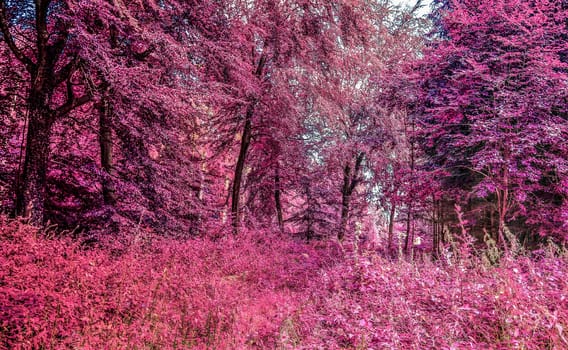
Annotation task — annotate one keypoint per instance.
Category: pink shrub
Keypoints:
(376, 304)
(150, 293)
(265, 291)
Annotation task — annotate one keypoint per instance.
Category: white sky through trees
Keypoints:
(425, 4)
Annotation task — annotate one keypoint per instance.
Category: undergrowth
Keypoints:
(265, 291)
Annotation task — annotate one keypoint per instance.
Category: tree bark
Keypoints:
(237, 178)
(345, 201)
(437, 229)
(391, 225)
(44, 79)
(105, 143)
(502, 203)
(277, 198)
(31, 192)
(245, 143)
(350, 181)
(409, 232)
(407, 240)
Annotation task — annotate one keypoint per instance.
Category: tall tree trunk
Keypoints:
(436, 228)
(350, 181)
(44, 79)
(503, 202)
(409, 232)
(391, 224)
(237, 178)
(277, 198)
(31, 193)
(309, 214)
(105, 142)
(245, 143)
(345, 201)
(408, 239)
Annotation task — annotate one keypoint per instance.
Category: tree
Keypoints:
(50, 56)
(495, 116)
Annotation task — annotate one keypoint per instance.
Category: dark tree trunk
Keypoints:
(44, 79)
(391, 225)
(237, 178)
(409, 232)
(350, 181)
(105, 142)
(408, 239)
(277, 198)
(31, 192)
(436, 228)
(345, 201)
(309, 214)
(245, 143)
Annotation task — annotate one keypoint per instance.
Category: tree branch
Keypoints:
(72, 101)
(9, 39)
(66, 72)
(356, 177)
(42, 35)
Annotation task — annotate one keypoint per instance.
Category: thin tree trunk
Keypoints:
(105, 142)
(502, 217)
(502, 205)
(245, 143)
(309, 214)
(237, 178)
(407, 240)
(409, 232)
(345, 201)
(277, 198)
(434, 224)
(437, 227)
(391, 224)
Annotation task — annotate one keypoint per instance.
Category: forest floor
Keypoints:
(266, 291)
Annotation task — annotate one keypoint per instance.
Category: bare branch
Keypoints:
(72, 101)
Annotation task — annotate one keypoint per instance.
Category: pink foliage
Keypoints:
(264, 291)
(148, 292)
(373, 303)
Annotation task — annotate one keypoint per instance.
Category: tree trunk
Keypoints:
(309, 214)
(237, 178)
(502, 211)
(391, 225)
(503, 199)
(245, 143)
(409, 232)
(277, 198)
(350, 181)
(437, 229)
(345, 202)
(105, 142)
(407, 241)
(31, 193)
(46, 48)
